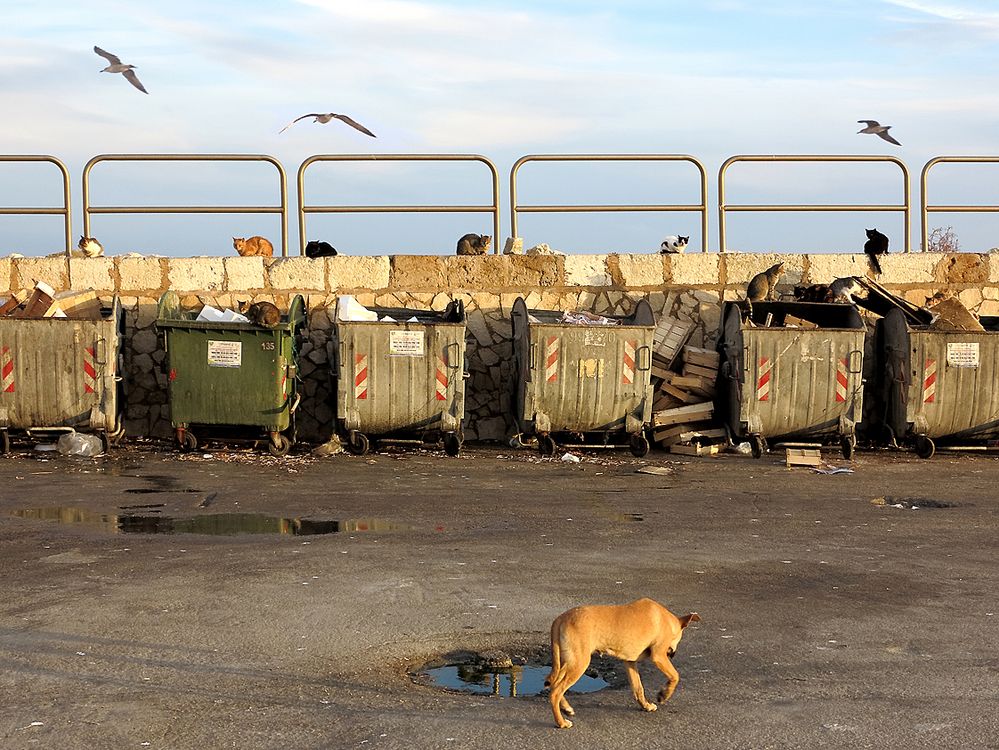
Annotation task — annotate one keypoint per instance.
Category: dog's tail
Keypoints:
(557, 666)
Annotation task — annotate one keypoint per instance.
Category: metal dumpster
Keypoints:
(938, 386)
(240, 374)
(588, 382)
(791, 383)
(62, 374)
(401, 377)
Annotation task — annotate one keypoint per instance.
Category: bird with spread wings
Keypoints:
(322, 119)
(117, 66)
(875, 128)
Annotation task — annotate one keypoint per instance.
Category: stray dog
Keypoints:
(628, 632)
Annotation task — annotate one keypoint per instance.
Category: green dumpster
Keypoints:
(229, 373)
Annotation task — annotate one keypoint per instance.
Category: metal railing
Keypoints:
(304, 209)
(723, 207)
(282, 209)
(702, 207)
(925, 208)
(65, 211)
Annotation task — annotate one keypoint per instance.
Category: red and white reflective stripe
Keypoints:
(441, 379)
(551, 359)
(360, 376)
(841, 379)
(628, 370)
(930, 382)
(763, 379)
(89, 371)
(6, 371)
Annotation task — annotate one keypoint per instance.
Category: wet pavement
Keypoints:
(288, 603)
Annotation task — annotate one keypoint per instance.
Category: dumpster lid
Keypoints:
(640, 316)
(822, 314)
(171, 315)
(453, 313)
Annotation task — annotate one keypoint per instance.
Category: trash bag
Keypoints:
(78, 444)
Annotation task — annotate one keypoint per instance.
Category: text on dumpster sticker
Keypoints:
(406, 343)
(962, 354)
(225, 353)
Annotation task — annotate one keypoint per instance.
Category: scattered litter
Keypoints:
(742, 448)
(912, 503)
(349, 309)
(33, 724)
(46, 447)
(661, 470)
(211, 314)
(207, 500)
(830, 469)
(330, 448)
(571, 459)
(583, 318)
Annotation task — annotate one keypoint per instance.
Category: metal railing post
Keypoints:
(66, 211)
(925, 208)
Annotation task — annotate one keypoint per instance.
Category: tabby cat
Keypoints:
(253, 246)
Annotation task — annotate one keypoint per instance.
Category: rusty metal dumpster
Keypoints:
(62, 374)
(233, 374)
(782, 382)
(938, 386)
(587, 384)
(400, 376)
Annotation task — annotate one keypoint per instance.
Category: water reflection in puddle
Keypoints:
(216, 524)
(506, 681)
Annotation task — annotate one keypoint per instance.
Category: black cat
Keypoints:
(319, 249)
(877, 244)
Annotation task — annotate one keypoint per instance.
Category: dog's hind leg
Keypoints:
(568, 675)
(661, 660)
(636, 686)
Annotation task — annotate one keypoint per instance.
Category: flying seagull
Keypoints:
(325, 118)
(879, 130)
(117, 66)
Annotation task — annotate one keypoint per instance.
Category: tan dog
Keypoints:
(628, 632)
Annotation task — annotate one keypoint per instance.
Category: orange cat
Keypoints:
(253, 246)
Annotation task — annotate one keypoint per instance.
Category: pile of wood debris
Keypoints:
(44, 302)
(684, 380)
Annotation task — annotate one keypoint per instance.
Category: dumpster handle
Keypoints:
(343, 354)
(100, 352)
(452, 362)
(534, 356)
(857, 368)
(644, 355)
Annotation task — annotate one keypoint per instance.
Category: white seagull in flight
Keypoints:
(879, 130)
(325, 118)
(117, 66)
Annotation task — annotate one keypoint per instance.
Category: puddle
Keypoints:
(505, 681)
(216, 524)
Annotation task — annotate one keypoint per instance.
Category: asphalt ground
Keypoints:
(830, 617)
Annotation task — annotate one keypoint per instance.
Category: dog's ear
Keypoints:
(687, 619)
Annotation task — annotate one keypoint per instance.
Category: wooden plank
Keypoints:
(665, 401)
(704, 372)
(712, 433)
(701, 357)
(667, 436)
(695, 450)
(802, 457)
(12, 303)
(681, 395)
(80, 305)
(659, 372)
(691, 413)
(791, 321)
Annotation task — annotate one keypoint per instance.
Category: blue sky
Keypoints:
(711, 79)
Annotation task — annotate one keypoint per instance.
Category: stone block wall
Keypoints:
(691, 286)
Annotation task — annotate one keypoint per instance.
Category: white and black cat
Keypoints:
(674, 244)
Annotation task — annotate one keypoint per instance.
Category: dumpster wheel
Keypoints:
(4, 441)
(186, 441)
(639, 445)
(358, 443)
(925, 448)
(279, 445)
(758, 444)
(452, 443)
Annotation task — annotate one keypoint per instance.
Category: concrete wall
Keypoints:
(689, 286)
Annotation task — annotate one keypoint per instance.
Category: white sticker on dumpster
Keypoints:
(962, 354)
(225, 353)
(406, 343)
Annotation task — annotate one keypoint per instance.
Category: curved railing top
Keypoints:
(281, 209)
(66, 211)
(303, 208)
(702, 207)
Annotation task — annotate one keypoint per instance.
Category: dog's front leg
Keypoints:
(662, 661)
(636, 686)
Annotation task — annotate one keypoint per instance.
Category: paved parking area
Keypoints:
(828, 619)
